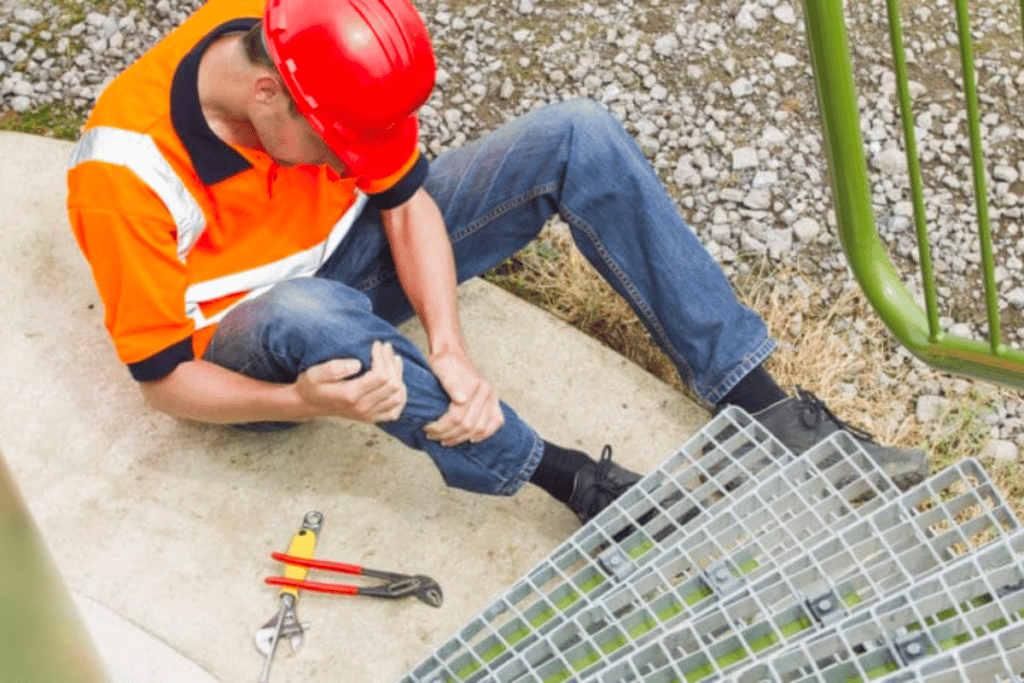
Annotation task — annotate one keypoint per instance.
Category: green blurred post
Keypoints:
(851, 197)
(42, 639)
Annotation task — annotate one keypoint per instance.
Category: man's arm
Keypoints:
(426, 269)
(206, 392)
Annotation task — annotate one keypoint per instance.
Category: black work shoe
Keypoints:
(800, 422)
(597, 485)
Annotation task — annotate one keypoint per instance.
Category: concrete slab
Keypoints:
(167, 526)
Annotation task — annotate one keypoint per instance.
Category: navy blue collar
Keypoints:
(213, 159)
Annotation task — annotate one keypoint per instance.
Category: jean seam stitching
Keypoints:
(634, 294)
(749, 362)
(502, 209)
(526, 471)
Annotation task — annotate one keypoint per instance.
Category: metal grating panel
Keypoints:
(995, 658)
(799, 507)
(723, 460)
(711, 472)
(963, 623)
(930, 527)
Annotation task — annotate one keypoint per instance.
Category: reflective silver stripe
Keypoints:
(138, 153)
(257, 280)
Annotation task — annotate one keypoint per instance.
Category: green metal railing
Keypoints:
(915, 327)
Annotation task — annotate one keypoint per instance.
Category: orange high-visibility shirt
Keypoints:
(180, 226)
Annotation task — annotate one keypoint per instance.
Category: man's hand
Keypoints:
(474, 413)
(377, 396)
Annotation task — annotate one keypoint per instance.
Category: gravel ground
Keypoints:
(721, 99)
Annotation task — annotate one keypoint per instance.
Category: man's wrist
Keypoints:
(290, 401)
(447, 345)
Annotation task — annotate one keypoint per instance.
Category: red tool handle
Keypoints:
(336, 588)
(317, 564)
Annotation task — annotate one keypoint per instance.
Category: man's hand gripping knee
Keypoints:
(474, 413)
(378, 395)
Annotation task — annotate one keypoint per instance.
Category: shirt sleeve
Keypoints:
(399, 187)
(130, 242)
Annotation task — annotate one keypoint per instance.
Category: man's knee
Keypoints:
(308, 300)
(292, 321)
(585, 114)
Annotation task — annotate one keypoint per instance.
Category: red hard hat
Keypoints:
(358, 70)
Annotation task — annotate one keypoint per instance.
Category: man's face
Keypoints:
(284, 133)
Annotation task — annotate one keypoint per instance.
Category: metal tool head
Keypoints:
(423, 587)
(313, 520)
(429, 591)
(269, 635)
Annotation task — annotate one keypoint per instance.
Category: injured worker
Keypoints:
(253, 200)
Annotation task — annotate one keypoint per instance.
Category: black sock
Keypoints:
(557, 470)
(755, 392)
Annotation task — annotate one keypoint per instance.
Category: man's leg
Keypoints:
(307, 321)
(575, 159)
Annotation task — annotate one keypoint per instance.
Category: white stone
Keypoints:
(1006, 174)
(930, 408)
(1000, 449)
(666, 45)
(1015, 297)
(780, 242)
(28, 16)
(890, 161)
(685, 175)
(785, 14)
(741, 87)
(764, 179)
(721, 232)
(744, 158)
(759, 199)
(21, 103)
(773, 136)
(750, 244)
(784, 60)
(745, 18)
(731, 194)
(806, 230)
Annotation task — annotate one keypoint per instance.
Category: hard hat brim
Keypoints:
(379, 155)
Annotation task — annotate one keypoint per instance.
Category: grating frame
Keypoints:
(932, 526)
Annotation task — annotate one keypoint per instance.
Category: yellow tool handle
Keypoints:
(303, 545)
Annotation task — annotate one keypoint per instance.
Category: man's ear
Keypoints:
(266, 88)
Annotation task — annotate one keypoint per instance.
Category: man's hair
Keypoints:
(255, 48)
(256, 52)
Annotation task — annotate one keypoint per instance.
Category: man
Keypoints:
(258, 217)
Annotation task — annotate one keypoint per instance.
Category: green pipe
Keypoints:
(913, 169)
(978, 166)
(42, 639)
(851, 196)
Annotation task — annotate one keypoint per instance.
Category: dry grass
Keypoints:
(833, 345)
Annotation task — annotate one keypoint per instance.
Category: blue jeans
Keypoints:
(496, 193)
